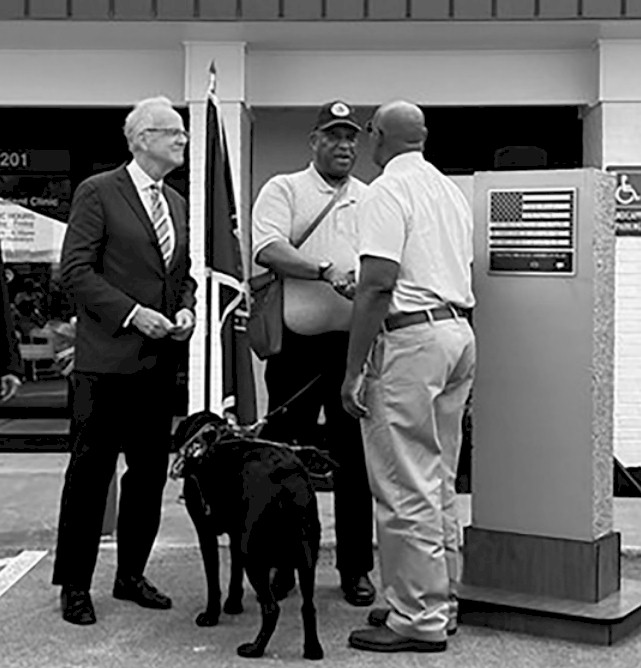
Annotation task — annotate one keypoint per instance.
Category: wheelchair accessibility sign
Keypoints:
(627, 196)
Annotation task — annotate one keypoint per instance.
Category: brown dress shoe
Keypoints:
(383, 639)
(140, 591)
(76, 606)
(358, 590)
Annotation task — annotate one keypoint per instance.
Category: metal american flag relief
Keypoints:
(532, 231)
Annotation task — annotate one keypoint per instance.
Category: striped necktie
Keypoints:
(160, 220)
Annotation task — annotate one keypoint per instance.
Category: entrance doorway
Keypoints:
(464, 140)
(461, 141)
(44, 154)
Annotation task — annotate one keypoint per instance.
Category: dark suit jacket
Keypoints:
(10, 361)
(111, 261)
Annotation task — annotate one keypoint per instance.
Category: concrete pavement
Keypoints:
(30, 486)
(33, 635)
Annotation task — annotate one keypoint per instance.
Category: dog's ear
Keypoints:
(193, 423)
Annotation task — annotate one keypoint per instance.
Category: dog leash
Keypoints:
(283, 407)
(258, 425)
(192, 449)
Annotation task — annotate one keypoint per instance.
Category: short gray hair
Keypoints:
(142, 115)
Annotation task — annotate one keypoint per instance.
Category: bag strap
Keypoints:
(317, 221)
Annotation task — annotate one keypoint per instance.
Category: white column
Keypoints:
(230, 76)
(620, 95)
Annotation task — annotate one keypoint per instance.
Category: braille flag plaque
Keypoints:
(532, 231)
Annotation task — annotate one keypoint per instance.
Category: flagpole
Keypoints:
(208, 340)
(213, 358)
(215, 350)
(228, 363)
(209, 336)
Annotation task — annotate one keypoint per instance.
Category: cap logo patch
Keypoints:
(339, 109)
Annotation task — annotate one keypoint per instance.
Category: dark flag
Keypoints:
(223, 260)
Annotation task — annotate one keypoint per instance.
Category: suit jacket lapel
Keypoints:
(130, 194)
(177, 220)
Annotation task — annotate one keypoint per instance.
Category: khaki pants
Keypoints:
(417, 382)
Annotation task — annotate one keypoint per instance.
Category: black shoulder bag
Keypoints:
(265, 324)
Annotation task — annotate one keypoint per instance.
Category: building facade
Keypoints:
(527, 83)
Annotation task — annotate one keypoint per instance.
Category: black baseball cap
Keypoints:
(336, 113)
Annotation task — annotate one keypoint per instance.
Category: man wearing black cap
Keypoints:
(317, 313)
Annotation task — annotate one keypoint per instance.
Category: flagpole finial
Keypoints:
(212, 76)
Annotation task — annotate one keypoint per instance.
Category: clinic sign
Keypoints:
(35, 199)
(627, 198)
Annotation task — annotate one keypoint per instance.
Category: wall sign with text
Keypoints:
(39, 161)
(35, 199)
(627, 199)
(532, 231)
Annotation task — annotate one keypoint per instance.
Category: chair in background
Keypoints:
(39, 355)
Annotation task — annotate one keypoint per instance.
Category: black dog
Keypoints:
(261, 495)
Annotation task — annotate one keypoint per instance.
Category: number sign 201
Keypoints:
(14, 159)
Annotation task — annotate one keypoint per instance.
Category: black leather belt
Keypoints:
(402, 319)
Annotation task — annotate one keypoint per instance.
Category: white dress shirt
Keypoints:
(143, 182)
(418, 217)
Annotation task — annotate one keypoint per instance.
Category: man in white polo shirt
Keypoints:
(316, 323)
(415, 245)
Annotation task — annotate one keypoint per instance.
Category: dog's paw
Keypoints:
(313, 652)
(208, 618)
(250, 650)
(232, 607)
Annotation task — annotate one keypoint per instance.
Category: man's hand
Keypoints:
(345, 284)
(9, 385)
(352, 396)
(152, 323)
(184, 327)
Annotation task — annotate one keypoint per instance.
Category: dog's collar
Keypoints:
(230, 433)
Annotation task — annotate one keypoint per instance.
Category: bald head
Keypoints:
(403, 123)
(402, 126)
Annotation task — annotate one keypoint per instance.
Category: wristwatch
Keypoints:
(322, 268)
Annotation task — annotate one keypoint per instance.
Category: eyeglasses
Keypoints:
(370, 128)
(174, 133)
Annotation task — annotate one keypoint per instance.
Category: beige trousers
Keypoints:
(417, 382)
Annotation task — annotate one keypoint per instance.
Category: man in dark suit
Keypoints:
(10, 362)
(125, 261)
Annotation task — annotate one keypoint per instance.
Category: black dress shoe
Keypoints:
(76, 606)
(140, 591)
(358, 590)
(382, 639)
(378, 617)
